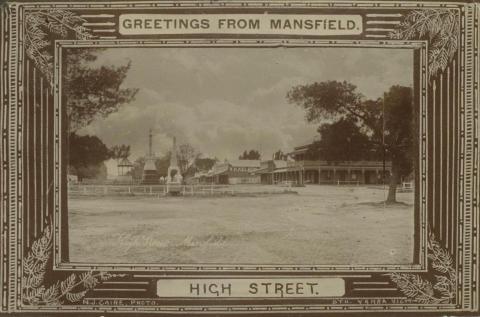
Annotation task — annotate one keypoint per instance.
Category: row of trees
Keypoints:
(250, 155)
(255, 155)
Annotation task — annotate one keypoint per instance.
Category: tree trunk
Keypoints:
(392, 188)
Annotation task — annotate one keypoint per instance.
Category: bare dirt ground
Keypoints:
(319, 225)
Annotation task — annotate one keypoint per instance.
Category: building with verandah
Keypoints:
(299, 169)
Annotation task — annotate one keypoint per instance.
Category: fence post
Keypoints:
(211, 189)
(129, 190)
(105, 190)
(183, 191)
(150, 190)
(191, 190)
(84, 190)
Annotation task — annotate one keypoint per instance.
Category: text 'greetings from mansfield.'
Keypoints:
(323, 25)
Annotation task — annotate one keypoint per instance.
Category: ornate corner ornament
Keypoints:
(441, 27)
(441, 289)
(43, 26)
(72, 289)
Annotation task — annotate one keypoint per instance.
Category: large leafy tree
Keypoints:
(384, 126)
(86, 155)
(92, 91)
(400, 131)
(344, 140)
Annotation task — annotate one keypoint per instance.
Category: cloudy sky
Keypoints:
(223, 101)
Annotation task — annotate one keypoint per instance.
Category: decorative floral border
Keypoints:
(40, 27)
(35, 268)
(441, 27)
(441, 297)
(423, 290)
(43, 25)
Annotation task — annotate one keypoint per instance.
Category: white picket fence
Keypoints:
(162, 190)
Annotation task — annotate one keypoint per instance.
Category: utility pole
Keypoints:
(383, 136)
(383, 144)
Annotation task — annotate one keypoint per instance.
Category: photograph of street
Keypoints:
(240, 155)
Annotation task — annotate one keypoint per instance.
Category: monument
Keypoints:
(174, 177)
(150, 175)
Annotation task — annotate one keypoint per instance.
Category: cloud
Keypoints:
(214, 127)
(223, 101)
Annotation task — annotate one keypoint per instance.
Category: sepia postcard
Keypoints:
(281, 157)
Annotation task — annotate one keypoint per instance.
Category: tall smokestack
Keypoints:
(173, 159)
(150, 143)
